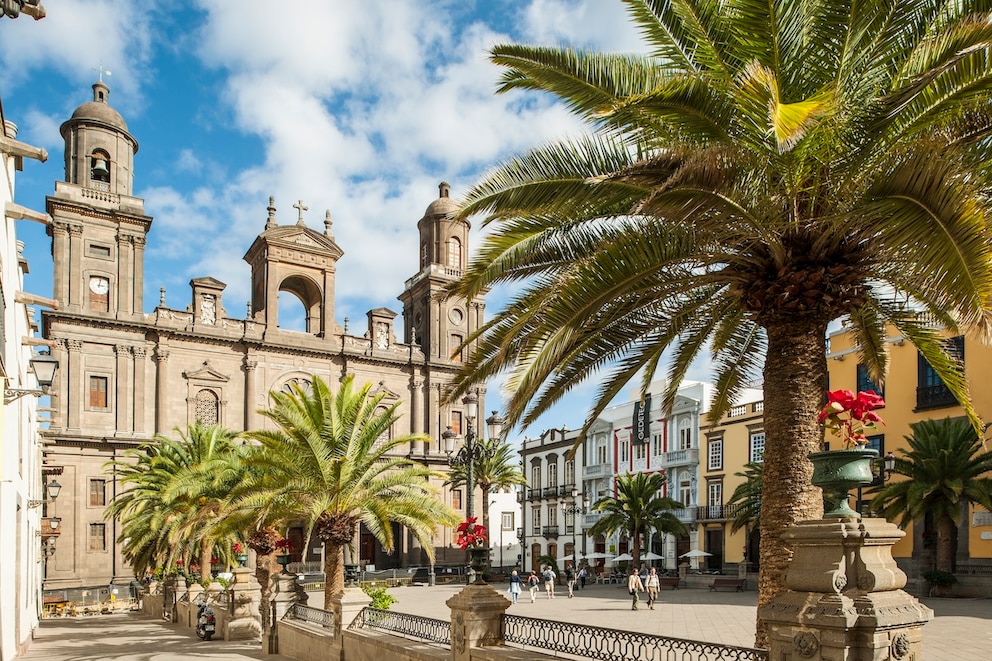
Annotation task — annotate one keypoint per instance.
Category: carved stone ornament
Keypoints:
(900, 645)
(840, 582)
(806, 644)
(458, 643)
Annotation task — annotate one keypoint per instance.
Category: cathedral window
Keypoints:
(98, 493)
(207, 409)
(456, 422)
(98, 537)
(454, 253)
(98, 392)
(456, 351)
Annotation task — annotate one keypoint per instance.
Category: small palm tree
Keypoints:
(638, 509)
(747, 497)
(494, 468)
(173, 493)
(330, 464)
(946, 466)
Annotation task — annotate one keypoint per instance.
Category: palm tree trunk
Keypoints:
(264, 564)
(945, 543)
(794, 385)
(205, 548)
(333, 572)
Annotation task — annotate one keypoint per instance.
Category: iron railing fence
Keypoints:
(311, 615)
(585, 642)
(415, 627)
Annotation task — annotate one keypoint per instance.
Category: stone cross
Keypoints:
(301, 208)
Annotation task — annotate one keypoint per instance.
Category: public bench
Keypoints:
(669, 582)
(726, 582)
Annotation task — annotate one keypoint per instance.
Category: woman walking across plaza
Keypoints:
(634, 586)
(652, 585)
(532, 583)
(515, 587)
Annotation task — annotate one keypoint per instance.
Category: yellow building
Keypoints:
(913, 392)
(738, 438)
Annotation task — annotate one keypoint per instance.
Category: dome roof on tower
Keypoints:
(443, 205)
(98, 110)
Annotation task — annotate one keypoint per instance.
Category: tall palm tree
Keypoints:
(765, 169)
(494, 468)
(638, 509)
(331, 464)
(946, 466)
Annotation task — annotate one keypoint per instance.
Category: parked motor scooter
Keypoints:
(206, 623)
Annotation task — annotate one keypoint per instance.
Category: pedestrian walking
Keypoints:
(549, 582)
(515, 587)
(653, 585)
(634, 586)
(532, 583)
(582, 577)
(569, 579)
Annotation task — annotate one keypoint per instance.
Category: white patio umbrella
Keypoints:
(623, 557)
(569, 557)
(597, 556)
(695, 553)
(650, 556)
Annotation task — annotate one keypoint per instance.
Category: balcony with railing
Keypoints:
(680, 458)
(687, 514)
(521, 496)
(597, 470)
(718, 512)
(550, 532)
(533, 494)
(933, 397)
(590, 518)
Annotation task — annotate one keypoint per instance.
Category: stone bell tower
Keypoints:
(435, 323)
(98, 229)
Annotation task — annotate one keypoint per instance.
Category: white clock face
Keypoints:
(99, 285)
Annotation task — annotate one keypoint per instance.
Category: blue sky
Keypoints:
(357, 106)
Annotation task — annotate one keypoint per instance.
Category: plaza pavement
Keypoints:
(961, 630)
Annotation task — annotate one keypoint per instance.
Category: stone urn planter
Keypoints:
(478, 559)
(839, 471)
(283, 560)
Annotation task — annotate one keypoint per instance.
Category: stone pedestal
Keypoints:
(285, 592)
(476, 619)
(245, 622)
(845, 600)
(346, 607)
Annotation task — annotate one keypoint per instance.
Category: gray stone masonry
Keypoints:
(476, 619)
(845, 600)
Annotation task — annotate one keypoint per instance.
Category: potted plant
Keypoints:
(473, 538)
(848, 416)
(940, 581)
(240, 553)
(283, 547)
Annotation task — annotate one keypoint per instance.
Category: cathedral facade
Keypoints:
(126, 374)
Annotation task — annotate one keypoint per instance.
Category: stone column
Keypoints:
(122, 396)
(76, 284)
(139, 390)
(346, 607)
(250, 392)
(76, 396)
(417, 412)
(60, 251)
(195, 592)
(138, 295)
(161, 386)
(476, 619)
(245, 622)
(125, 275)
(845, 599)
(285, 592)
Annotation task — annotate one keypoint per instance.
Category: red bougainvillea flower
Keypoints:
(859, 416)
(237, 548)
(284, 544)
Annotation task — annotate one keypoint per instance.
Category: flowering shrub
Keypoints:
(471, 534)
(284, 545)
(850, 416)
(238, 548)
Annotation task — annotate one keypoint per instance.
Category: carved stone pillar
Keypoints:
(124, 389)
(139, 390)
(76, 284)
(125, 274)
(138, 293)
(250, 392)
(161, 387)
(417, 413)
(284, 594)
(476, 620)
(60, 256)
(245, 622)
(74, 387)
(845, 597)
(434, 416)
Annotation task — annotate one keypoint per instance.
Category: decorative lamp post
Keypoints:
(471, 451)
(575, 509)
